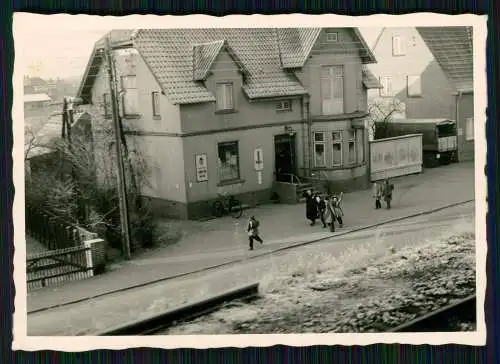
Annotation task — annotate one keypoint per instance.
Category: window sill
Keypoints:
(340, 167)
(228, 111)
(156, 117)
(230, 182)
(283, 111)
(414, 96)
(108, 117)
(469, 139)
(132, 116)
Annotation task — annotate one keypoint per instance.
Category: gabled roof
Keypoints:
(169, 54)
(204, 56)
(369, 80)
(296, 45)
(49, 133)
(36, 97)
(452, 49)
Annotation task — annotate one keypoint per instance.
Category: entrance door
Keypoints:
(284, 157)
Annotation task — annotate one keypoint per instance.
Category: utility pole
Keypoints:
(122, 191)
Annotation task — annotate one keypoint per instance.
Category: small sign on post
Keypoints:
(258, 159)
(201, 167)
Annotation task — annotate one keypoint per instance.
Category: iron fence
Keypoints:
(52, 231)
(58, 266)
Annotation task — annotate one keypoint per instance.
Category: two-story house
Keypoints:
(231, 110)
(429, 69)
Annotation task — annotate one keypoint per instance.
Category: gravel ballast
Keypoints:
(383, 294)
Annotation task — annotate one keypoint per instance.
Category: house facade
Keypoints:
(216, 111)
(429, 70)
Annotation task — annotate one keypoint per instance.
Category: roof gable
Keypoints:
(204, 56)
(452, 48)
(369, 79)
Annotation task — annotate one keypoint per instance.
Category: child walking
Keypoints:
(253, 231)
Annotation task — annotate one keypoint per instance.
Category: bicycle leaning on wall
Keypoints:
(226, 205)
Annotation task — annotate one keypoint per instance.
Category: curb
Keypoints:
(366, 227)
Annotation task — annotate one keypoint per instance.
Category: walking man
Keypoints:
(253, 231)
(388, 188)
(321, 209)
(377, 194)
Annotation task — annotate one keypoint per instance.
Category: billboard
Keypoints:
(394, 157)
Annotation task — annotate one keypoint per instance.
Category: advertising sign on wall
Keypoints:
(394, 157)
(258, 159)
(201, 167)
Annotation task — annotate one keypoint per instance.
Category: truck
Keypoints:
(439, 137)
(395, 157)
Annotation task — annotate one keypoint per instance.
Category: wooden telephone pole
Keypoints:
(122, 191)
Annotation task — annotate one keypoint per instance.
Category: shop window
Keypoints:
(229, 168)
(319, 149)
(337, 148)
(469, 129)
(351, 144)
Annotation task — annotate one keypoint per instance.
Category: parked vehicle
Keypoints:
(227, 205)
(439, 137)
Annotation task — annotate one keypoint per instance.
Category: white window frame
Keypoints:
(333, 77)
(323, 143)
(129, 93)
(469, 128)
(338, 142)
(386, 90)
(411, 80)
(155, 99)
(398, 45)
(222, 178)
(284, 105)
(224, 92)
(351, 139)
(332, 37)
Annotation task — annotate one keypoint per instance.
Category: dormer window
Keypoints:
(332, 37)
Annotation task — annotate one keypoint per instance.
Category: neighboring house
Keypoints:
(452, 48)
(231, 110)
(40, 146)
(35, 85)
(426, 69)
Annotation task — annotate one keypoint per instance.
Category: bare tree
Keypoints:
(381, 112)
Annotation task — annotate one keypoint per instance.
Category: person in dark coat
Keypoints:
(311, 208)
(388, 188)
(321, 209)
(253, 231)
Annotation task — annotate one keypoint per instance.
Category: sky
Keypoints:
(62, 48)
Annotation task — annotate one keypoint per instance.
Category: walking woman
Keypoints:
(337, 210)
(329, 216)
(377, 194)
(311, 208)
(253, 231)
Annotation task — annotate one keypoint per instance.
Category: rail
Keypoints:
(188, 312)
(288, 178)
(437, 320)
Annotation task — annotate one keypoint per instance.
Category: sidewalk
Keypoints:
(224, 240)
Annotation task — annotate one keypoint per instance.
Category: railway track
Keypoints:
(157, 323)
(443, 319)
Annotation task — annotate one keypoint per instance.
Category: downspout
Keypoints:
(457, 119)
(309, 135)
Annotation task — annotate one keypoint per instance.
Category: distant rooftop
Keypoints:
(36, 97)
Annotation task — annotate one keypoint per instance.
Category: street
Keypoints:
(348, 251)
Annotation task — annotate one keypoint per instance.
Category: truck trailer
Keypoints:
(439, 137)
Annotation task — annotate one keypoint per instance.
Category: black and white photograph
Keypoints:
(187, 177)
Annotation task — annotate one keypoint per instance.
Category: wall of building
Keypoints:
(436, 98)
(203, 117)
(465, 110)
(345, 53)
